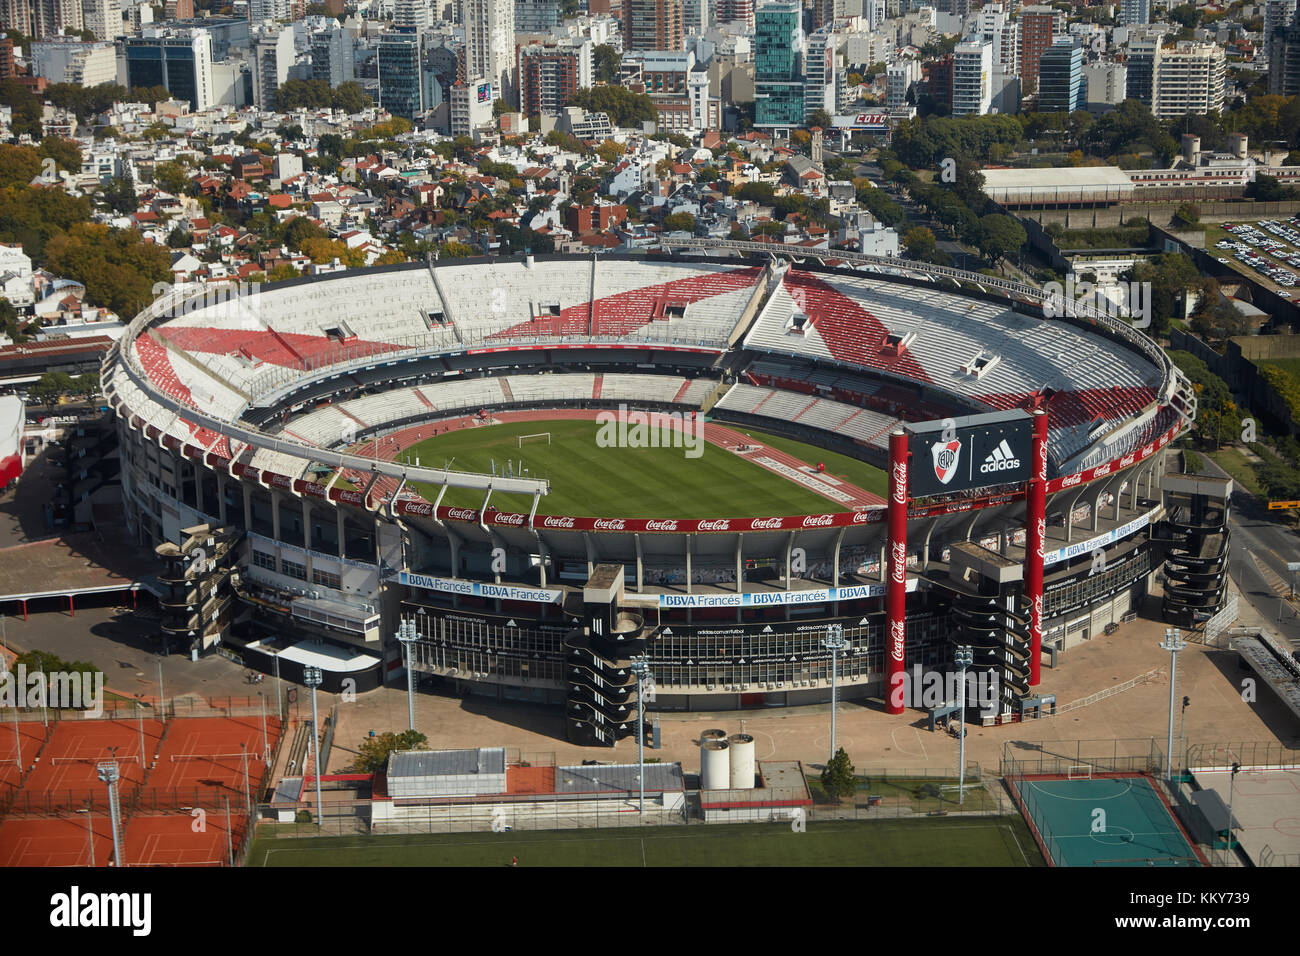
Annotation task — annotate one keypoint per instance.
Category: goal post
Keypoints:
(1080, 772)
(537, 438)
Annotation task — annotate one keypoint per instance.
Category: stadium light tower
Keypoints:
(406, 637)
(963, 659)
(1232, 790)
(641, 668)
(311, 676)
(109, 774)
(834, 642)
(1173, 643)
(1182, 737)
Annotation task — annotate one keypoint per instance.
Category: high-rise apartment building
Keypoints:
(69, 60)
(778, 85)
(1137, 12)
(900, 77)
(1143, 62)
(333, 55)
(819, 74)
(490, 45)
(179, 60)
(653, 25)
(1191, 78)
(972, 69)
(1060, 77)
(550, 73)
(1039, 25)
(271, 56)
(103, 18)
(1278, 15)
(736, 11)
(403, 85)
(537, 16)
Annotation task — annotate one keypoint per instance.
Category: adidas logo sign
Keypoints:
(1000, 458)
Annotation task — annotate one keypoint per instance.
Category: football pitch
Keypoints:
(591, 481)
(978, 841)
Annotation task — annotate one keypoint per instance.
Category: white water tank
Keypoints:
(715, 765)
(742, 761)
(712, 735)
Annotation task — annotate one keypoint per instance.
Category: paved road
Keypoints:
(1255, 535)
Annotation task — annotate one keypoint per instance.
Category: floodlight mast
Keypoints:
(834, 642)
(311, 676)
(963, 659)
(109, 774)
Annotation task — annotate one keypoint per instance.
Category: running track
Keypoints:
(844, 496)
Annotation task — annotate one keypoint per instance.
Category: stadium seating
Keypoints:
(849, 317)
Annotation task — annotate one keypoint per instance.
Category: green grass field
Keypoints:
(976, 841)
(1289, 365)
(591, 481)
(1240, 467)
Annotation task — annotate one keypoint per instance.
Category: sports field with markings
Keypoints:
(975, 841)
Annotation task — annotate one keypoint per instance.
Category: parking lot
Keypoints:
(1265, 246)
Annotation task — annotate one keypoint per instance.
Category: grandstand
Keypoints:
(291, 415)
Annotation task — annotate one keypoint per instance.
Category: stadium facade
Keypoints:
(261, 416)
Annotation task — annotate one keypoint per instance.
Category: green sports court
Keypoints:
(1111, 820)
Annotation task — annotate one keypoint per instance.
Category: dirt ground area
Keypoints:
(874, 739)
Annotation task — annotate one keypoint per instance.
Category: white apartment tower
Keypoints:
(972, 78)
(1190, 78)
(490, 45)
(103, 18)
(900, 76)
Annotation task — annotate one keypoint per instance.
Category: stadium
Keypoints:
(539, 468)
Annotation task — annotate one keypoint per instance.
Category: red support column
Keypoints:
(24, 609)
(72, 607)
(896, 584)
(1035, 536)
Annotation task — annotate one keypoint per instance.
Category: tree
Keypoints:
(19, 165)
(373, 752)
(26, 108)
(117, 266)
(999, 235)
(919, 241)
(820, 118)
(838, 780)
(624, 107)
(179, 238)
(605, 61)
(679, 222)
(171, 177)
(65, 153)
(299, 230)
(1187, 215)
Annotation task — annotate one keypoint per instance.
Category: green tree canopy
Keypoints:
(838, 779)
(373, 752)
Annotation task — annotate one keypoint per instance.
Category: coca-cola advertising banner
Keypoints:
(644, 525)
(1119, 464)
(974, 451)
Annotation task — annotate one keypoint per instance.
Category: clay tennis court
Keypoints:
(189, 764)
(184, 838)
(66, 772)
(30, 737)
(212, 752)
(65, 841)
